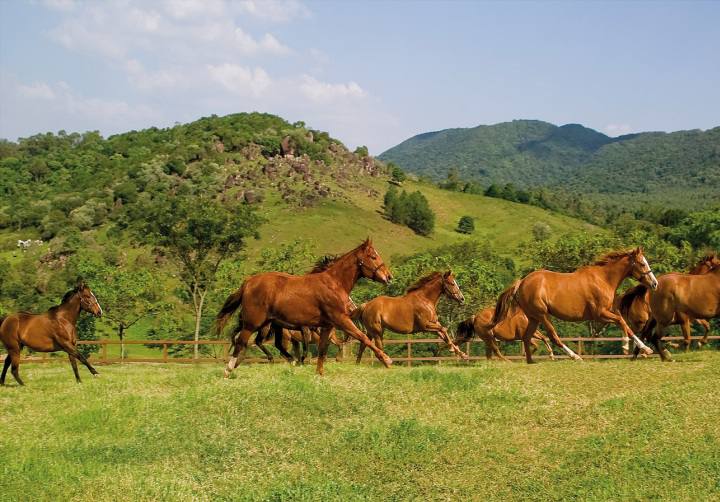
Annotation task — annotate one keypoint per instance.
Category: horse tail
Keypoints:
(628, 298)
(465, 329)
(233, 302)
(505, 301)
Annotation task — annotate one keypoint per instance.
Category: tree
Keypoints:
(493, 191)
(86, 331)
(420, 217)
(541, 231)
(362, 151)
(466, 225)
(198, 233)
(291, 258)
(396, 173)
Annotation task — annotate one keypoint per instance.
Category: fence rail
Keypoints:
(408, 359)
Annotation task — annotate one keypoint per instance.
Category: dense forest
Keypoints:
(162, 223)
(631, 171)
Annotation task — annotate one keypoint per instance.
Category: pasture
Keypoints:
(610, 430)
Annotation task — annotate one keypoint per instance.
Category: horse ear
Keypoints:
(639, 250)
(448, 273)
(367, 242)
(80, 283)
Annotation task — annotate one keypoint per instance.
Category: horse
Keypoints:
(314, 300)
(48, 332)
(296, 338)
(586, 294)
(634, 305)
(679, 298)
(510, 329)
(413, 312)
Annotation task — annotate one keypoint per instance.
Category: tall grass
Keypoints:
(611, 430)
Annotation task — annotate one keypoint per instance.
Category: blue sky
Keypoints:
(371, 73)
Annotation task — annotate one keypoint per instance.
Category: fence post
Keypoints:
(104, 350)
(409, 351)
(165, 352)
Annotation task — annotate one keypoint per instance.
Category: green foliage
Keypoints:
(361, 151)
(701, 229)
(86, 331)
(292, 258)
(411, 209)
(396, 173)
(466, 225)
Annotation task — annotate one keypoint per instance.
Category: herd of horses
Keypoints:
(301, 309)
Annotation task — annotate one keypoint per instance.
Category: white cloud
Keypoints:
(61, 5)
(39, 90)
(240, 80)
(247, 44)
(274, 10)
(319, 91)
(617, 129)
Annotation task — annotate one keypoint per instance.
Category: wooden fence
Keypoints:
(581, 345)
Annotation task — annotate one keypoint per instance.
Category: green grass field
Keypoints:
(612, 430)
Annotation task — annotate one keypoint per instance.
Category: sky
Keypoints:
(370, 73)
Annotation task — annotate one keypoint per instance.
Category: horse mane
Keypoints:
(423, 281)
(707, 258)
(69, 295)
(323, 263)
(612, 257)
(629, 296)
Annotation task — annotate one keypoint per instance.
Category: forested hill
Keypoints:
(531, 153)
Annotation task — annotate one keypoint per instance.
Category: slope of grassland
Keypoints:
(612, 430)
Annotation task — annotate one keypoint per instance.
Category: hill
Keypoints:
(653, 166)
(84, 195)
(551, 431)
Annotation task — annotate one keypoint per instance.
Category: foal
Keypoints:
(49, 332)
(413, 312)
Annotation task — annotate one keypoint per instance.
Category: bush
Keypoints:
(466, 225)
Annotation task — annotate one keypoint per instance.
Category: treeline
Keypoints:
(411, 209)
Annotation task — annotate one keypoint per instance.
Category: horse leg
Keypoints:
(436, 327)
(296, 351)
(344, 323)
(5, 368)
(545, 340)
(361, 349)
(686, 332)
(488, 347)
(555, 339)
(611, 317)
(278, 331)
(71, 349)
(527, 336)
(657, 341)
(492, 347)
(73, 363)
(260, 342)
(322, 349)
(15, 364)
(706, 327)
(306, 339)
(241, 342)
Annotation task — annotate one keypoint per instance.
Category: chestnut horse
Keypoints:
(315, 300)
(414, 312)
(682, 296)
(296, 338)
(586, 294)
(49, 332)
(511, 329)
(634, 305)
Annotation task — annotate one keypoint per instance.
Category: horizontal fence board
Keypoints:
(102, 358)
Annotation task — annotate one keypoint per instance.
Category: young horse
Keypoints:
(682, 296)
(584, 295)
(413, 312)
(511, 329)
(313, 300)
(54, 330)
(634, 305)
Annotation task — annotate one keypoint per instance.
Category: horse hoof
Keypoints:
(387, 361)
(647, 351)
(96, 375)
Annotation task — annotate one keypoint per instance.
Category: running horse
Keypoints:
(586, 294)
(634, 305)
(682, 296)
(49, 332)
(314, 300)
(414, 312)
(296, 338)
(510, 329)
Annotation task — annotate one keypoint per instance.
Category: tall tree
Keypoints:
(198, 233)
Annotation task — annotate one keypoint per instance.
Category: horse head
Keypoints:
(371, 264)
(451, 288)
(88, 301)
(640, 268)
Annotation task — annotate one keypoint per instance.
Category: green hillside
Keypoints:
(658, 167)
(89, 198)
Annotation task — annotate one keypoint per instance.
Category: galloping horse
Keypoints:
(317, 299)
(54, 330)
(634, 305)
(296, 338)
(510, 329)
(682, 296)
(583, 295)
(413, 312)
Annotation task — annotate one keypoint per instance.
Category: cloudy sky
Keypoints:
(370, 73)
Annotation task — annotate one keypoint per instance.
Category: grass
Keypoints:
(611, 430)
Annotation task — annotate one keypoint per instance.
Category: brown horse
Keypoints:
(634, 305)
(511, 329)
(49, 332)
(682, 297)
(586, 294)
(315, 300)
(414, 312)
(296, 338)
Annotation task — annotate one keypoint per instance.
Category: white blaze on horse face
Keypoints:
(97, 302)
(653, 280)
